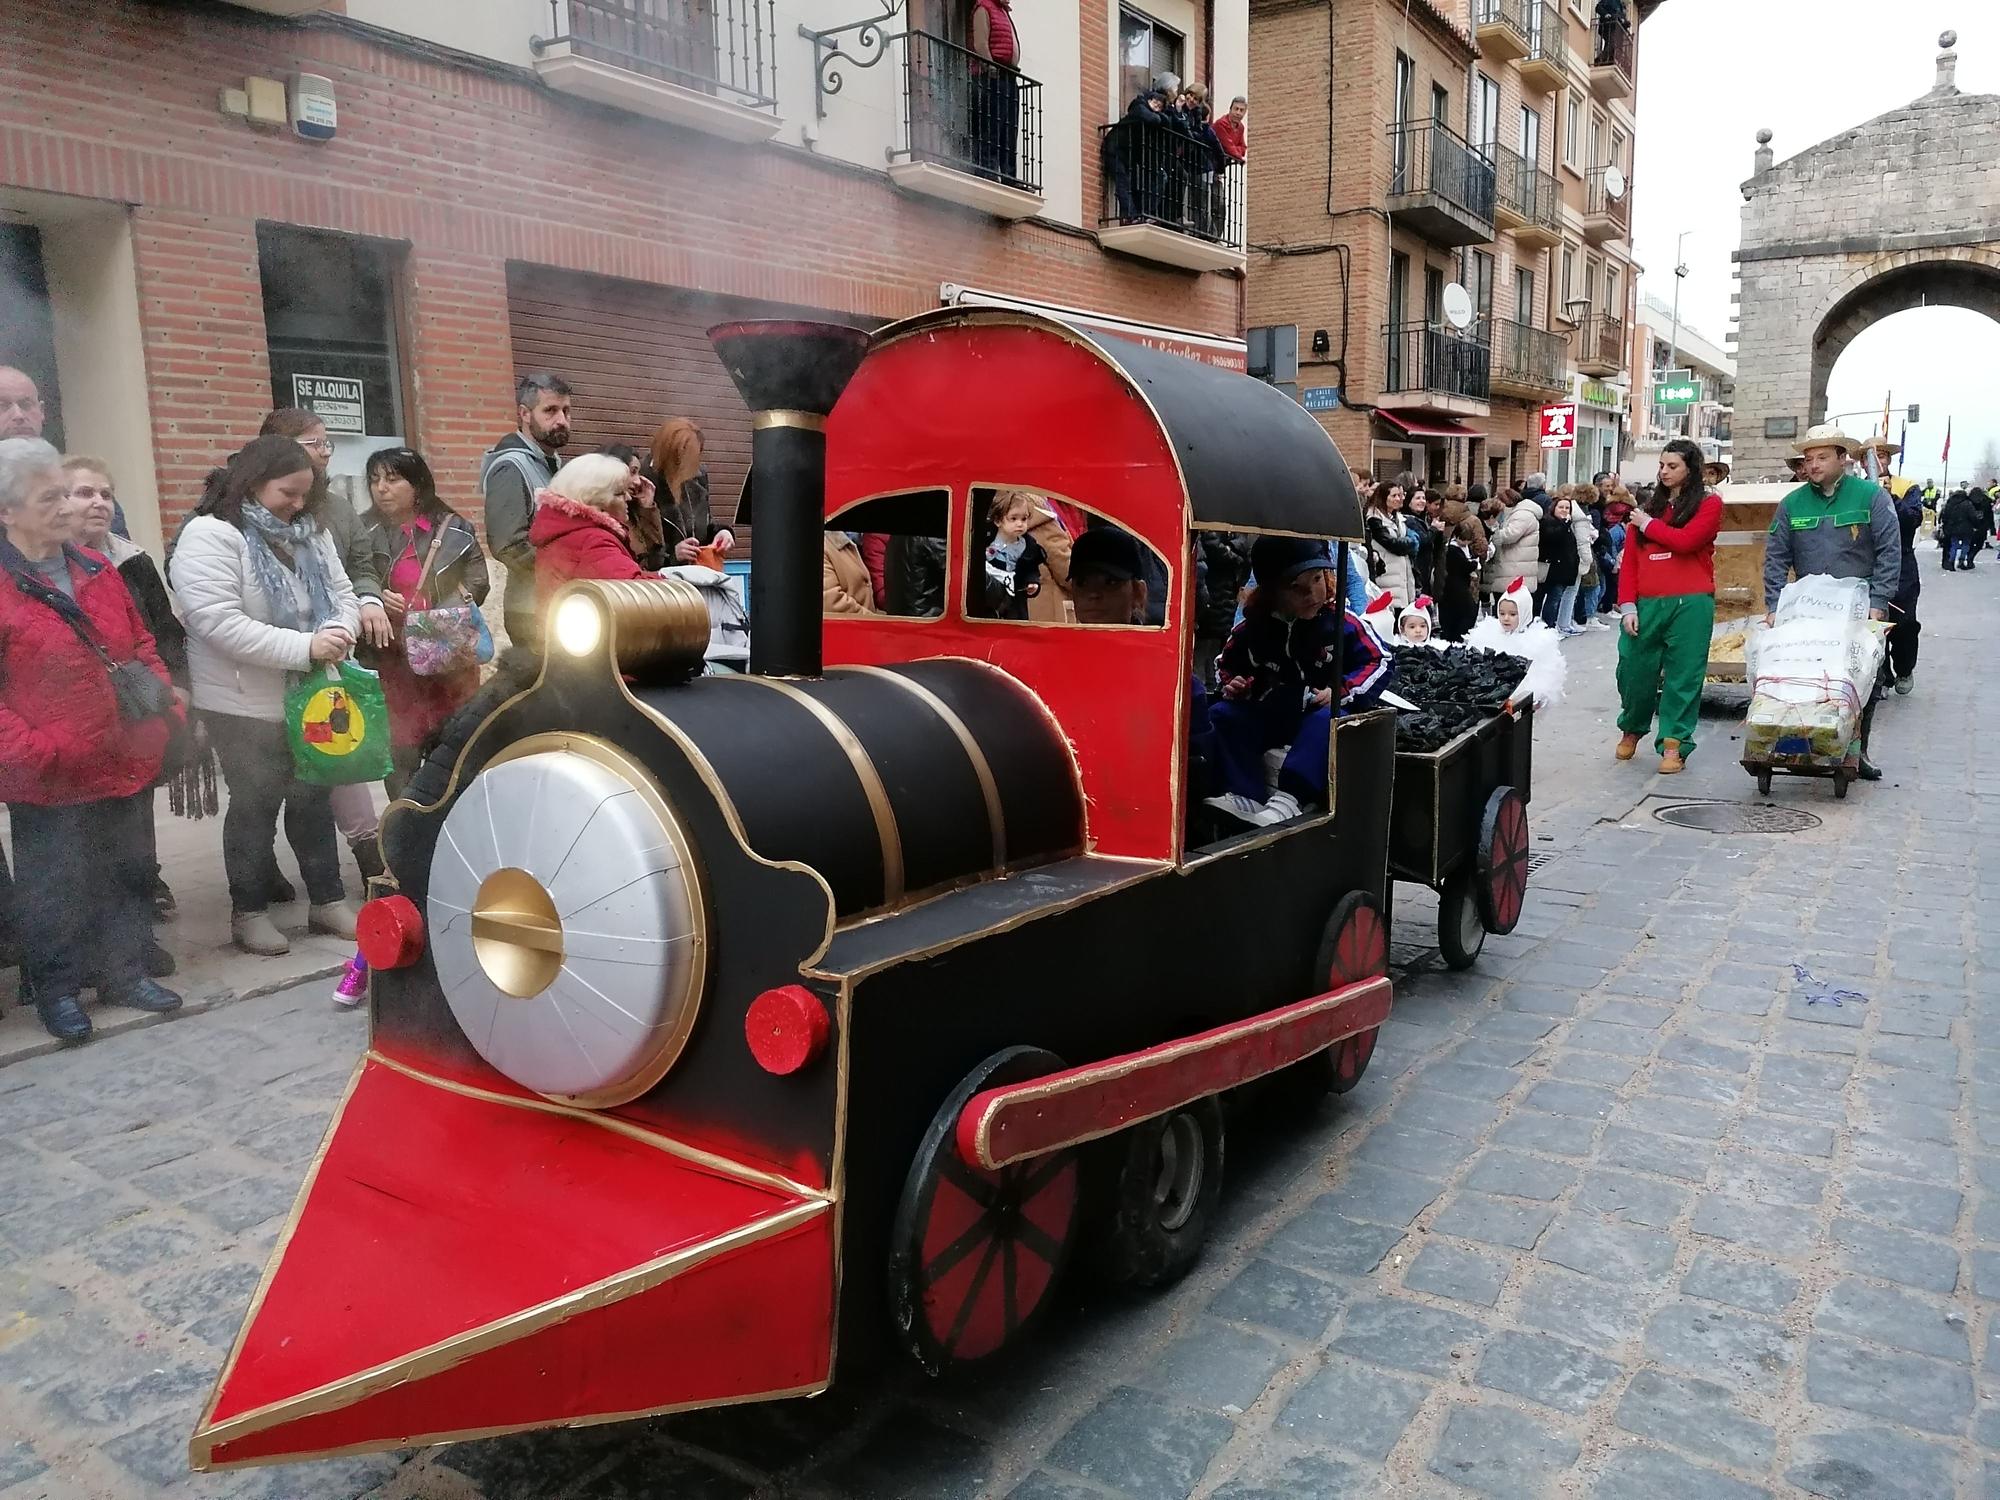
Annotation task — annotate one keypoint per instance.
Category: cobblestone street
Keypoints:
(1633, 1209)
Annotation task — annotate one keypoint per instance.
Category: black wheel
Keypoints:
(1764, 780)
(1841, 781)
(974, 1254)
(1154, 1194)
(1461, 924)
(1500, 860)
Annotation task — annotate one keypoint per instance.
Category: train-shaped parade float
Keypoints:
(730, 1030)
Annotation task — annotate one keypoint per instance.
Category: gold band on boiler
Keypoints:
(811, 421)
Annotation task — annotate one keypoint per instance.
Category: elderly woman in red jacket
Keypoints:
(86, 712)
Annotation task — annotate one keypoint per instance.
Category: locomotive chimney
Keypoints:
(789, 375)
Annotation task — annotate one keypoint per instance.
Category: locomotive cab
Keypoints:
(724, 1028)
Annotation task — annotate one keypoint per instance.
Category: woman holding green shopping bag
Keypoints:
(265, 600)
(1666, 595)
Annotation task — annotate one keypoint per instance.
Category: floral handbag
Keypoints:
(448, 637)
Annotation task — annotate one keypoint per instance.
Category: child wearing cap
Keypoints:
(1295, 657)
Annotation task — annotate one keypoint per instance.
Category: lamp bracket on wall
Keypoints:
(868, 38)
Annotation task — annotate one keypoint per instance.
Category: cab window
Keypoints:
(886, 556)
(1018, 564)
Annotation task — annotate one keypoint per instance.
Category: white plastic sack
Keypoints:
(728, 620)
(1821, 597)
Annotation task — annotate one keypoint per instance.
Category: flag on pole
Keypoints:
(1902, 444)
(1947, 440)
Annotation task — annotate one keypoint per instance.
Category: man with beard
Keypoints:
(513, 471)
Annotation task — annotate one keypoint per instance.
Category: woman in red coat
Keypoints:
(580, 529)
(76, 763)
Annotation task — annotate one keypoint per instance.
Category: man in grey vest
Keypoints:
(513, 470)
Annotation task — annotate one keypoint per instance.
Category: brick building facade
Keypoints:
(1482, 145)
(490, 201)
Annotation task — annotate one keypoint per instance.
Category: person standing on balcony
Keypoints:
(996, 104)
(1233, 130)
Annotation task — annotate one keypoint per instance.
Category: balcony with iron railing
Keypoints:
(1611, 62)
(1545, 65)
(1600, 344)
(1169, 197)
(1449, 369)
(1607, 215)
(1526, 361)
(1526, 200)
(1500, 27)
(971, 129)
(1439, 187)
(710, 65)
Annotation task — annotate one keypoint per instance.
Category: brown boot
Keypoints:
(1670, 758)
(1628, 746)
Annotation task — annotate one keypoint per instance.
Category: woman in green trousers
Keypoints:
(1666, 596)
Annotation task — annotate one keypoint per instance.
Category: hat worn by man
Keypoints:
(1826, 435)
(1280, 559)
(1105, 552)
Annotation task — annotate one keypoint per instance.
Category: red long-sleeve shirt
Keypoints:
(1669, 560)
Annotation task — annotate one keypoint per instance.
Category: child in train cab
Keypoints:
(1013, 558)
(1297, 657)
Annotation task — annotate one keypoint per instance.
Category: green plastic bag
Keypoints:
(338, 723)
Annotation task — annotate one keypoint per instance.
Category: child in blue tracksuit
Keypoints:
(1294, 658)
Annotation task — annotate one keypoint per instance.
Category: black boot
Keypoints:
(368, 857)
(140, 994)
(159, 963)
(64, 1018)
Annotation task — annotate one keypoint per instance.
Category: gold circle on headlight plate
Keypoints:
(568, 919)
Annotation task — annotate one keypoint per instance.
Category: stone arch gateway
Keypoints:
(1900, 212)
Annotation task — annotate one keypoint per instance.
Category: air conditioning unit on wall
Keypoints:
(278, 7)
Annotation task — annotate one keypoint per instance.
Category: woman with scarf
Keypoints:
(265, 597)
(1666, 596)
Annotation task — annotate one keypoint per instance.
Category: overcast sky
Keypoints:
(1713, 72)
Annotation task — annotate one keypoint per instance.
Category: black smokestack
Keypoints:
(789, 374)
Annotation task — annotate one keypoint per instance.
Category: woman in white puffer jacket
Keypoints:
(265, 598)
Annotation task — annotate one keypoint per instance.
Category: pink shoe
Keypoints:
(353, 986)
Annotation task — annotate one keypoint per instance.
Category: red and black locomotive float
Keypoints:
(723, 1027)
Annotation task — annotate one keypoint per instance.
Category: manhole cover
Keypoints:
(1737, 817)
(1541, 861)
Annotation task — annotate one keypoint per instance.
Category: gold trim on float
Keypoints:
(982, 768)
(672, 1042)
(778, 416)
(197, 1449)
(446, 1354)
(1173, 1052)
(886, 832)
(722, 1166)
(470, 1434)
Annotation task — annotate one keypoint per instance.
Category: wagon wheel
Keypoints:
(1153, 1192)
(1461, 925)
(1501, 860)
(1355, 947)
(973, 1253)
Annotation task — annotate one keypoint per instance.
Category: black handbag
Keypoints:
(138, 693)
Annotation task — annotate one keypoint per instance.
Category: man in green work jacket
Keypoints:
(1844, 526)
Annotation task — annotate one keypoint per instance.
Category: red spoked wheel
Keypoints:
(1355, 948)
(975, 1254)
(1501, 860)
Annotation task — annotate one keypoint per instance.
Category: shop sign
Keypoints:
(1559, 425)
(1320, 398)
(1596, 393)
(335, 399)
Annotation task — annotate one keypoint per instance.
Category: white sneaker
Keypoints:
(1237, 806)
(1596, 624)
(1282, 807)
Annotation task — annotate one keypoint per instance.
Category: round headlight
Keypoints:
(567, 921)
(577, 624)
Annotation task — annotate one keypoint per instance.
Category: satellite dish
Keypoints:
(1614, 183)
(1457, 306)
